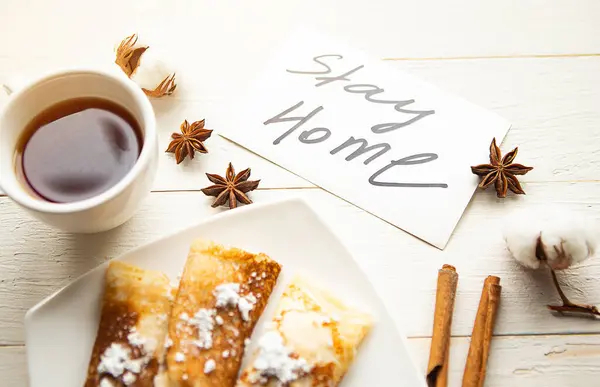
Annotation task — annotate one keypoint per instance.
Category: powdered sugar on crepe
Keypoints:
(228, 295)
(105, 382)
(204, 321)
(209, 366)
(275, 360)
(148, 345)
(116, 360)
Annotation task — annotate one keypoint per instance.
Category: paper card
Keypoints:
(375, 136)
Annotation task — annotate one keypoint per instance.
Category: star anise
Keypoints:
(231, 188)
(189, 141)
(501, 171)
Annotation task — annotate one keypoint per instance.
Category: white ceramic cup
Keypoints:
(110, 208)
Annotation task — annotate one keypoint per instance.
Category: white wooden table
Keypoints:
(536, 62)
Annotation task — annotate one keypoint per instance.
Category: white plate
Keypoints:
(60, 330)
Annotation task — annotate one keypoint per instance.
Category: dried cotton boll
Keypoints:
(145, 68)
(550, 235)
(521, 232)
(152, 70)
(557, 238)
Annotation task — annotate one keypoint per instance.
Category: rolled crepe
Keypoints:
(313, 340)
(129, 345)
(222, 293)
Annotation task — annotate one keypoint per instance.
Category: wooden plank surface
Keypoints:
(538, 361)
(13, 365)
(551, 103)
(236, 31)
(534, 361)
(532, 61)
(36, 261)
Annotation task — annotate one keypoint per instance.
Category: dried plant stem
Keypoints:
(568, 306)
(437, 369)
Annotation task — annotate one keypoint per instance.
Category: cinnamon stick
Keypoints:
(437, 369)
(481, 337)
